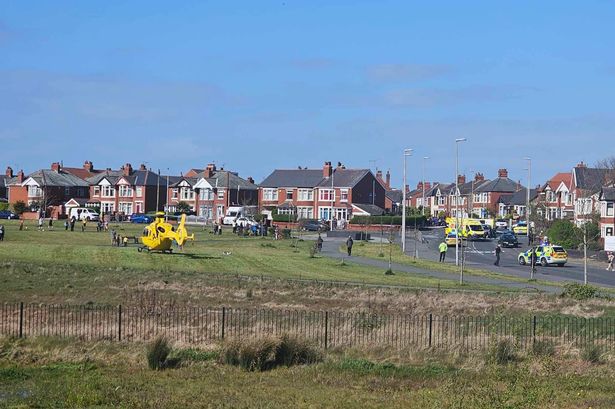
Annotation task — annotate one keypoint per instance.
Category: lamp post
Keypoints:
(423, 199)
(407, 152)
(457, 231)
(527, 199)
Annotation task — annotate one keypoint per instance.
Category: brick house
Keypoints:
(557, 197)
(586, 186)
(210, 192)
(516, 203)
(607, 212)
(487, 193)
(127, 191)
(392, 197)
(438, 198)
(11, 181)
(47, 190)
(323, 194)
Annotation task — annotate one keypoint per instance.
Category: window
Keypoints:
(324, 213)
(206, 211)
(220, 211)
(441, 200)
(174, 194)
(609, 209)
(67, 191)
(270, 194)
(108, 191)
(609, 231)
(305, 212)
(96, 191)
(106, 207)
(125, 207)
(186, 193)
(550, 196)
(34, 191)
(220, 194)
(567, 198)
(341, 213)
(306, 195)
(206, 194)
(125, 191)
(139, 191)
(326, 195)
(344, 195)
(289, 194)
(139, 207)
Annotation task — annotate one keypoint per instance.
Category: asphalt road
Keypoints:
(480, 254)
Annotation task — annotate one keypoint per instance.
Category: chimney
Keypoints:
(461, 179)
(340, 166)
(55, 166)
(502, 173)
(250, 180)
(9, 172)
(581, 165)
(327, 170)
(427, 185)
(142, 167)
(518, 185)
(388, 180)
(127, 169)
(20, 176)
(379, 175)
(407, 188)
(419, 186)
(479, 177)
(88, 165)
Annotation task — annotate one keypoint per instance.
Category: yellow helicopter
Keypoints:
(159, 235)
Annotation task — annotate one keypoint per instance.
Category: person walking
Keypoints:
(72, 223)
(443, 247)
(1, 232)
(51, 223)
(20, 224)
(349, 244)
(319, 243)
(41, 220)
(610, 259)
(533, 259)
(497, 252)
(84, 225)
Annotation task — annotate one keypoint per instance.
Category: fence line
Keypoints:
(328, 329)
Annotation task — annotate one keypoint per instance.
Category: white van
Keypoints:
(83, 213)
(233, 213)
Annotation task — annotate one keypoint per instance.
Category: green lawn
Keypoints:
(83, 266)
(55, 373)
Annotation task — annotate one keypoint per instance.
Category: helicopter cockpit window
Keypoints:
(160, 229)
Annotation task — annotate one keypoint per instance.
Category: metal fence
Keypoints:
(329, 329)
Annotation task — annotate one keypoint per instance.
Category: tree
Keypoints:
(19, 207)
(564, 233)
(183, 207)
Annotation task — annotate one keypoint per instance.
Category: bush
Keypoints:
(19, 207)
(267, 353)
(284, 218)
(543, 348)
(157, 353)
(592, 354)
(390, 220)
(502, 352)
(4, 206)
(579, 291)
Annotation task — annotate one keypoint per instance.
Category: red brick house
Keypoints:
(586, 186)
(487, 193)
(323, 193)
(557, 197)
(210, 192)
(127, 191)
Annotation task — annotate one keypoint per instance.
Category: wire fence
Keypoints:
(328, 329)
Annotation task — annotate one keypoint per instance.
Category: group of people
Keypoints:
(117, 240)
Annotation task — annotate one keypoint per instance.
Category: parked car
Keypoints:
(245, 222)
(451, 240)
(520, 228)
(141, 218)
(83, 213)
(508, 240)
(7, 214)
(313, 225)
(546, 256)
(500, 232)
(489, 232)
(501, 224)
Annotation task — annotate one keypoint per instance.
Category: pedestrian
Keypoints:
(125, 241)
(349, 244)
(72, 223)
(21, 225)
(498, 250)
(113, 234)
(51, 223)
(1, 232)
(611, 259)
(66, 225)
(41, 220)
(319, 242)
(84, 225)
(443, 247)
(533, 259)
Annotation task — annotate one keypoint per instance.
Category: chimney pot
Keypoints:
(581, 165)
(479, 177)
(388, 180)
(502, 173)
(142, 167)
(9, 172)
(20, 176)
(55, 166)
(88, 165)
(461, 179)
(250, 179)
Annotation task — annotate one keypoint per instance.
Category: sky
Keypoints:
(258, 85)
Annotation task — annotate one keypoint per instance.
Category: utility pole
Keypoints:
(457, 230)
(423, 199)
(527, 203)
(407, 152)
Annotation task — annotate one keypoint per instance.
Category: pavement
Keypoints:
(331, 246)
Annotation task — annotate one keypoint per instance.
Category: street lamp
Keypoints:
(407, 152)
(527, 202)
(423, 200)
(458, 233)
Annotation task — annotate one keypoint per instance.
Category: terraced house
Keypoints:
(210, 192)
(557, 199)
(323, 194)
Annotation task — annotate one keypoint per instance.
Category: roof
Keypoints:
(589, 178)
(81, 173)
(555, 182)
(608, 193)
(372, 210)
(518, 198)
(136, 178)
(443, 187)
(293, 178)
(502, 185)
(111, 175)
(47, 177)
(226, 179)
(396, 196)
(344, 177)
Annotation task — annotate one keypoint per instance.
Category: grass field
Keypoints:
(77, 266)
(68, 373)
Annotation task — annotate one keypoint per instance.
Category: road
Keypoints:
(480, 254)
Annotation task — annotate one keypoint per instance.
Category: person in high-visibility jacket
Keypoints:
(443, 249)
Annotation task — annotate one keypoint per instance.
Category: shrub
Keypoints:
(563, 232)
(579, 291)
(157, 353)
(267, 353)
(284, 218)
(502, 352)
(592, 354)
(19, 207)
(389, 272)
(4, 206)
(420, 220)
(543, 348)
(195, 355)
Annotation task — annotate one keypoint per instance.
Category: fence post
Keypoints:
(534, 329)
(326, 329)
(430, 328)
(21, 320)
(119, 322)
(223, 320)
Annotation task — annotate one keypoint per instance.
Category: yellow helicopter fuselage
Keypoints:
(159, 235)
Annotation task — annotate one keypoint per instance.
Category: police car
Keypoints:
(546, 255)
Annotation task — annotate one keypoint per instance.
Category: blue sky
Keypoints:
(258, 85)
